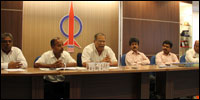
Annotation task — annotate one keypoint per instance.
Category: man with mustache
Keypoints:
(55, 58)
(134, 57)
(165, 56)
(192, 55)
(98, 52)
(11, 57)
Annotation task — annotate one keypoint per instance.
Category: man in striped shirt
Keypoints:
(165, 56)
(134, 57)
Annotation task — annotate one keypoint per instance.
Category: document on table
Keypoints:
(113, 67)
(63, 68)
(66, 68)
(14, 70)
(167, 66)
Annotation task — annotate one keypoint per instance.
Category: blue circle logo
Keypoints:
(61, 26)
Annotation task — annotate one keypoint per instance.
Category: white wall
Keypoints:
(195, 34)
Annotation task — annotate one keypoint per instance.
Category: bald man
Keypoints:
(192, 55)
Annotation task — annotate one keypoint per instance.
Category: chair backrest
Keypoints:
(123, 63)
(79, 61)
(153, 60)
(182, 59)
(36, 59)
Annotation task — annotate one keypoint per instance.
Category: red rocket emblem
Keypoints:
(71, 42)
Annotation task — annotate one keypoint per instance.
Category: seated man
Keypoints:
(54, 84)
(11, 57)
(98, 52)
(134, 57)
(192, 55)
(166, 57)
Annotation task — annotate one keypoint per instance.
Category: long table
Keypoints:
(113, 84)
(177, 83)
(24, 85)
(123, 82)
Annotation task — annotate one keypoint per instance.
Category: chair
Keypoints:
(153, 60)
(182, 59)
(123, 63)
(36, 59)
(152, 76)
(79, 61)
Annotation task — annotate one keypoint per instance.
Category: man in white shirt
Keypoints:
(55, 58)
(11, 57)
(192, 55)
(98, 52)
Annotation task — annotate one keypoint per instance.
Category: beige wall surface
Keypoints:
(41, 20)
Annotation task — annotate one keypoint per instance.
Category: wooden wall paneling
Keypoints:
(151, 22)
(149, 41)
(155, 10)
(11, 20)
(12, 5)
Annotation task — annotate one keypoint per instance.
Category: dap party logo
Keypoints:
(71, 42)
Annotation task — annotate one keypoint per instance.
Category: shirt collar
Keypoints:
(95, 49)
(135, 52)
(93, 46)
(52, 55)
(164, 53)
(9, 52)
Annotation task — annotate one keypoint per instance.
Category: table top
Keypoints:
(120, 69)
(29, 72)
(128, 69)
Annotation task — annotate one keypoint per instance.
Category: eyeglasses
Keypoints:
(6, 41)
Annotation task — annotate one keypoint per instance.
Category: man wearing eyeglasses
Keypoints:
(98, 51)
(11, 57)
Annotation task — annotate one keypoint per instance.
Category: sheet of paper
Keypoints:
(45, 69)
(113, 67)
(63, 68)
(81, 68)
(13, 70)
(166, 66)
(66, 68)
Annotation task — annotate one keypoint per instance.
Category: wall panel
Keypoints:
(154, 10)
(151, 22)
(11, 20)
(41, 21)
(12, 5)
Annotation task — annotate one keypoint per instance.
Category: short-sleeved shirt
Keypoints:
(49, 58)
(14, 55)
(133, 58)
(191, 56)
(90, 54)
(162, 59)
